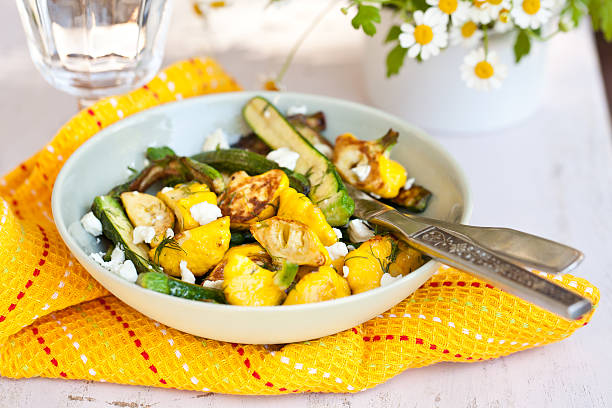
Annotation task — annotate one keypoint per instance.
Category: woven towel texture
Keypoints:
(56, 321)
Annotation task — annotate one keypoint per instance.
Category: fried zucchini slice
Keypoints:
(290, 240)
(318, 286)
(254, 252)
(202, 248)
(298, 207)
(366, 165)
(414, 199)
(148, 211)
(184, 196)
(248, 200)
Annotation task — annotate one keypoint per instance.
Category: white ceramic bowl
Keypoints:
(101, 163)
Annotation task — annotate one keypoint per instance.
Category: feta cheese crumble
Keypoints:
(284, 157)
(409, 183)
(387, 279)
(118, 264)
(376, 196)
(359, 231)
(91, 224)
(216, 140)
(166, 189)
(362, 171)
(337, 232)
(345, 271)
(127, 271)
(169, 233)
(296, 110)
(325, 149)
(143, 234)
(205, 212)
(218, 284)
(186, 274)
(337, 250)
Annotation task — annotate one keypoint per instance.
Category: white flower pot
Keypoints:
(432, 94)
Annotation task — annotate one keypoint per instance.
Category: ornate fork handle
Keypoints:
(452, 249)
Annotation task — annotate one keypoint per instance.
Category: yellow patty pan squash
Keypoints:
(247, 200)
(290, 240)
(379, 255)
(248, 284)
(385, 177)
(202, 248)
(145, 210)
(254, 252)
(296, 206)
(184, 196)
(323, 284)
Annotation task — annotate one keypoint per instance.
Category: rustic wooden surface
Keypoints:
(550, 175)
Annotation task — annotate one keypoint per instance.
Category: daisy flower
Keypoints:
(531, 13)
(466, 34)
(457, 10)
(504, 22)
(426, 36)
(482, 72)
(496, 6)
(479, 12)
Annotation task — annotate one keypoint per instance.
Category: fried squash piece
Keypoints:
(324, 284)
(290, 240)
(248, 200)
(184, 196)
(145, 210)
(254, 252)
(366, 165)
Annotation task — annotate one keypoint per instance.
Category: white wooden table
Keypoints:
(550, 175)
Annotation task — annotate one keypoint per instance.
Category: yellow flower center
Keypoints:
(468, 29)
(423, 34)
(448, 6)
(484, 70)
(531, 6)
(504, 15)
(495, 2)
(479, 3)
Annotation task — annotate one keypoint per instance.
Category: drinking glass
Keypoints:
(95, 48)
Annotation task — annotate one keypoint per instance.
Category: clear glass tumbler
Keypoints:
(96, 48)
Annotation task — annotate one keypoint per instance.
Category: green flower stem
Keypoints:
(485, 40)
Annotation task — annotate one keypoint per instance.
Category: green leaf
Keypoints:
(393, 34)
(601, 16)
(395, 60)
(365, 18)
(522, 45)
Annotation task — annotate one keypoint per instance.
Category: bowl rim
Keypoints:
(97, 138)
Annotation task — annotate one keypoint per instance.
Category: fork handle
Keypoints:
(451, 249)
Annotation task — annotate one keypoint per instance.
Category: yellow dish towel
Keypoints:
(56, 321)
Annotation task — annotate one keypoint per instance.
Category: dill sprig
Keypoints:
(169, 243)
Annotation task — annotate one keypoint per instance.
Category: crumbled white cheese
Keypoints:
(127, 271)
(186, 274)
(166, 189)
(362, 171)
(387, 279)
(205, 212)
(297, 110)
(266, 113)
(337, 232)
(350, 247)
(284, 157)
(345, 271)
(325, 149)
(359, 231)
(118, 264)
(143, 234)
(169, 233)
(409, 183)
(376, 196)
(218, 284)
(337, 250)
(91, 224)
(216, 140)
